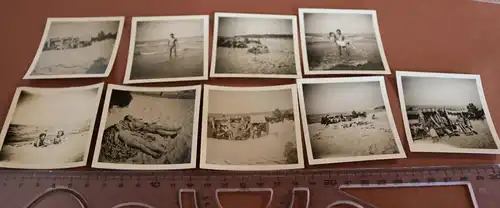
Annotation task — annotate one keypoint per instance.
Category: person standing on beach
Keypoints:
(340, 41)
(172, 45)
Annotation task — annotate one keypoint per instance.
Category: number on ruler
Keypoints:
(155, 184)
(330, 182)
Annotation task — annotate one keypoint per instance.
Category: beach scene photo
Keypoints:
(356, 127)
(50, 128)
(168, 49)
(446, 114)
(76, 47)
(251, 129)
(341, 41)
(250, 45)
(149, 128)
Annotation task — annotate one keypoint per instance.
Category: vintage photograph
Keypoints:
(251, 128)
(347, 120)
(341, 41)
(148, 128)
(49, 128)
(77, 48)
(169, 48)
(446, 113)
(255, 45)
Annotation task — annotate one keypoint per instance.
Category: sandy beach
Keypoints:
(88, 60)
(324, 55)
(152, 59)
(266, 150)
(335, 141)
(156, 109)
(279, 60)
(26, 153)
(482, 140)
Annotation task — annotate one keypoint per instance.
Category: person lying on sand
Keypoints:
(40, 142)
(59, 137)
(134, 140)
(138, 125)
(340, 41)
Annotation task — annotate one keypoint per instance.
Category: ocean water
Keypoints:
(152, 59)
(24, 133)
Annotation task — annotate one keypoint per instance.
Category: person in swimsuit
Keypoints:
(172, 45)
(138, 125)
(40, 142)
(340, 41)
(59, 137)
(129, 138)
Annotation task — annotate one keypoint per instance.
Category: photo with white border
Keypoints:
(148, 128)
(251, 128)
(255, 46)
(168, 49)
(348, 120)
(49, 128)
(446, 113)
(77, 47)
(341, 41)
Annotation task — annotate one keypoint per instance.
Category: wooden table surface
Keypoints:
(458, 36)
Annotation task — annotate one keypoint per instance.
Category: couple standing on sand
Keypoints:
(135, 133)
(42, 142)
(340, 41)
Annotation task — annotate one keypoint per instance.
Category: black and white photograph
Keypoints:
(347, 120)
(167, 49)
(446, 113)
(341, 41)
(255, 46)
(251, 128)
(49, 128)
(77, 48)
(148, 128)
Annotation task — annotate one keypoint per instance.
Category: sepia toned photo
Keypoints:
(77, 48)
(446, 113)
(49, 128)
(169, 48)
(255, 45)
(347, 120)
(341, 41)
(148, 128)
(251, 128)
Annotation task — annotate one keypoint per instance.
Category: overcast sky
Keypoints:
(84, 30)
(342, 97)
(440, 91)
(157, 30)
(232, 102)
(56, 109)
(348, 23)
(233, 26)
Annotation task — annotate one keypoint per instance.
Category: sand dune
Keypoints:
(87, 60)
(335, 141)
(68, 151)
(279, 60)
(267, 150)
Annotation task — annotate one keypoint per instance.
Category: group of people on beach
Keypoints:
(436, 125)
(135, 133)
(42, 140)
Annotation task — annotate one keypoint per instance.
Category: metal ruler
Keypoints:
(199, 188)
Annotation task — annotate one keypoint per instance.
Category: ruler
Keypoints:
(200, 188)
